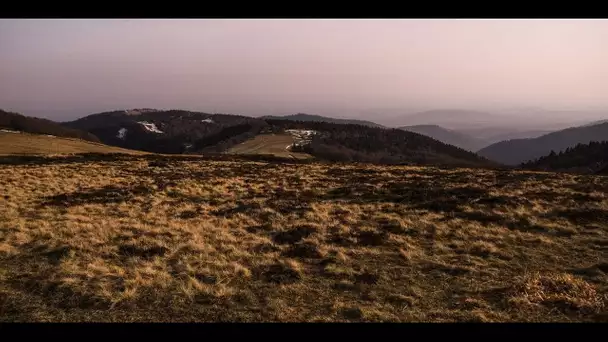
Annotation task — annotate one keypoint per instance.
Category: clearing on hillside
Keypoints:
(19, 143)
(275, 144)
(158, 238)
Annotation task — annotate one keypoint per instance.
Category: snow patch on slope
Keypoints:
(150, 127)
(208, 120)
(301, 137)
(122, 133)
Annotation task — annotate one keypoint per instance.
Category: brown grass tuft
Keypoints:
(562, 291)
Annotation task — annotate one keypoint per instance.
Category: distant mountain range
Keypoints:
(447, 136)
(474, 130)
(472, 139)
(319, 118)
(516, 151)
(456, 119)
(180, 131)
(517, 120)
(491, 135)
(595, 123)
(359, 143)
(470, 130)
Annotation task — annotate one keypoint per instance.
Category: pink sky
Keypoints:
(68, 68)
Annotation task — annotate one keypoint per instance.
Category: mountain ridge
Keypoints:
(319, 118)
(582, 158)
(516, 151)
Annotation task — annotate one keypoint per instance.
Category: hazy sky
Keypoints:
(68, 68)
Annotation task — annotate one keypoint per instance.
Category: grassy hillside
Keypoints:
(23, 143)
(275, 144)
(150, 238)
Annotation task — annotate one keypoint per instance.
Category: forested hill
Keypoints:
(170, 131)
(585, 158)
(340, 142)
(517, 151)
(17, 122)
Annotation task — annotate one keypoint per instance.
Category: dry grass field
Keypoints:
(275, 144)
(24, 143)
(145, 238)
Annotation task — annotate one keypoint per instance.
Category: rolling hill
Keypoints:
(17, 122)
(455, 119)
(516, 120)
(491, 135)
(473, 139)
(319, 118)
(178, 131)
(516, 151)
(357, 143)
(171, 131)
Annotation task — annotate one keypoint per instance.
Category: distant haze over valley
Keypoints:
(376, 70)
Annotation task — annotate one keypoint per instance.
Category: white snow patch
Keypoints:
(122, 133)
(305, 132)
(208, 120)
(150, 127)
(301, 137)
(8, 131)
(188, 146)
(50, 136)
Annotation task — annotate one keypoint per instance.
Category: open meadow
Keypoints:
(274, 144)
(153, 238)
(21, 143)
